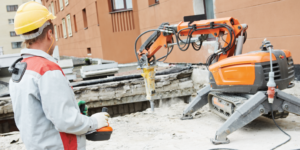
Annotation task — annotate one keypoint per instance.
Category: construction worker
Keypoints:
(44, 105)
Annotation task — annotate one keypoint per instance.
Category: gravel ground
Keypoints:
(164, 130)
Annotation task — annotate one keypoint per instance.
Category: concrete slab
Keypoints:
(71, 77)
(68, 70)
(7, 60)
(99, 67)
(67, 63)
(105, 72)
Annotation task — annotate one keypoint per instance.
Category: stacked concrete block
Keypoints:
(67, 67)
(99, 70)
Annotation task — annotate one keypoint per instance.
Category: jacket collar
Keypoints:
(25, 53)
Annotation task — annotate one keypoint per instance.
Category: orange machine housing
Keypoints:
(248, 73)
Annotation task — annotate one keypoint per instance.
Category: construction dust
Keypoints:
(164, 130)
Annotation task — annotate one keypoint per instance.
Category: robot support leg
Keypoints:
(199, 101)
(247, 112)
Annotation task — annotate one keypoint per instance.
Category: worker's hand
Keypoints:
(102, 119)
(83, 107)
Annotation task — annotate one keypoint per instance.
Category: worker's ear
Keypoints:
(49, 35)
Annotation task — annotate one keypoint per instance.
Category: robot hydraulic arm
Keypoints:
(164, 37)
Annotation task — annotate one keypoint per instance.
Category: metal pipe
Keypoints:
(239, 45)
(271, 64)
(193, 40)
(152, 105)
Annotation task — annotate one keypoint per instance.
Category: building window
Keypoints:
(57, 6)
(85, 24)
(61, 4)
(89, 51)
(97, 12)
(153, 2)
(52, 7)
(121, 5)
(75, 25)
(55, 32)
(61, 30)
(11, 21)
(11, 8)
(64, 27)
(16, 45)
(69, 25)
(66, 2)
(13, 33)
(58, 31)
(49, 9)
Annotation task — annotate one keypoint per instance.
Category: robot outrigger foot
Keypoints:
(198, 102)
(217, 142)
(254, 107)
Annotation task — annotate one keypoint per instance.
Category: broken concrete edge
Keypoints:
(127, 77)
(122, 92)
(136, 80)
(98, 67)
(132, 91)
(4, 91)
(129, 91)
(6, 111)
(98, 73)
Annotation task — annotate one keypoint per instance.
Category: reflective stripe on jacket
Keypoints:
(45, 108)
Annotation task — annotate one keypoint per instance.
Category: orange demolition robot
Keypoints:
(242, 86)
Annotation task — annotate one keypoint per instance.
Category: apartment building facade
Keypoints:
(107, 29)
(10, 42)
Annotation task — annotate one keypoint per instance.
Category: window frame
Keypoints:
(55, 33)
(13, 35)
(153, 2)
(57, 7)
(13, 21)
(61, 4)
(17, 45)
(69, 25)
(85, 21)
(122, 9)
(75, 24)
(8, 7)
(52, 8)
(89, 51)
(66, 3)
(49, 9)
(64, 28)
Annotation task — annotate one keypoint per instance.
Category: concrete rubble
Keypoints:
(163, 130)
(129, 95)
(123, 97)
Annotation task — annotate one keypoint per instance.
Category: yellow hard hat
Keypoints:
(31, 16)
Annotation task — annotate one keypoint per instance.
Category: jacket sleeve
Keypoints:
(60, 106)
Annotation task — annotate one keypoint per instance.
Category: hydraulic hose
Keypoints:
(280, 130)
(135, 51)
